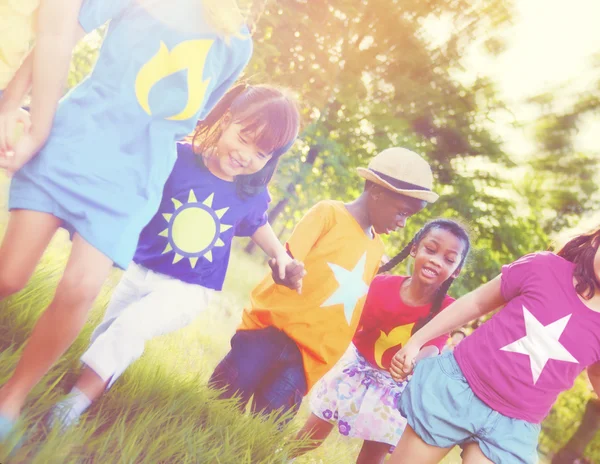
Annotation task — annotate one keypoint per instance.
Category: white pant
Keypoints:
(145, 304)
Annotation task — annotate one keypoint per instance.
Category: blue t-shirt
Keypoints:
(190, 236)
(113, 143)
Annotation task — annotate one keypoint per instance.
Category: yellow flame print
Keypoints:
(397, 336)
(190, 55)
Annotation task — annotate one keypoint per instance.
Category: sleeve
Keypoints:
(369, 318)
(517, 274)
(94, 13)
(440, 341)
(242, 59)
(315, 223)
(256, 218)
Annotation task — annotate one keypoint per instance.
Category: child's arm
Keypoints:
(594, 376)
(44, 71)
(286, 270)
(471, 306)
(57, 33)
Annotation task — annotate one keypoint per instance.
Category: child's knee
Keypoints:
(77, 289)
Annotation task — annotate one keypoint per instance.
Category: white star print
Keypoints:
(541, 343)
(351, 289)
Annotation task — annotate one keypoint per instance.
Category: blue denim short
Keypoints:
(441, 408)
(267, 365)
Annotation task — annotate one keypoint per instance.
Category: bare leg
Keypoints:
(91, 384)
(60, 324)
(372, 452)
(27, 236)
(472, 455)
(412, 449)
(316, 430)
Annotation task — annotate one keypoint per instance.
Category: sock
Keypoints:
(79, 401)
(66, 413)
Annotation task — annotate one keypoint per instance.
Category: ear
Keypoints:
(413, 251)
(456, 273)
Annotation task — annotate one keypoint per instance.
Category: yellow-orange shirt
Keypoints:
(340, 260)
(17, 19)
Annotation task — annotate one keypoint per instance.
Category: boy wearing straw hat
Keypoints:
(288, 340)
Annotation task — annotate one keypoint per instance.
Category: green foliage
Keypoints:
(565, 418)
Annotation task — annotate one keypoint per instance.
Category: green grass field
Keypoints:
(160, 410)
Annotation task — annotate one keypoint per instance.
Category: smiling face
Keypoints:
(237, 154)
(437, 257)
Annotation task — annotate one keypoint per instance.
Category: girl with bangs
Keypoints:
(217, 190)
(491, 394)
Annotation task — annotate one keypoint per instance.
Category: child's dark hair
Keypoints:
(268, 115)
(444, 224)
(581, 251)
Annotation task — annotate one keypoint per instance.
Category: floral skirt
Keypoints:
(361, 399)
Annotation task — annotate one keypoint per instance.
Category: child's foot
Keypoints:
(6, 427)
(67, 412)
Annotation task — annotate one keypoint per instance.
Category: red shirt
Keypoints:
(387, 322)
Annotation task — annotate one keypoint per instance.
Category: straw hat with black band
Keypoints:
(401, 171)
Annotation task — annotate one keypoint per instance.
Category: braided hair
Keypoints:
(444, 224)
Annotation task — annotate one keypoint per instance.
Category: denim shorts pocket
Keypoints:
(449, 367)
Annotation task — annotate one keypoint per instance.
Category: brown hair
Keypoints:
(269, 115)
(581, 251)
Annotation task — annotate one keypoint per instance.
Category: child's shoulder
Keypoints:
(540, 258)
(388, 279)
(184, 149)
(325, 209)
(330, 205)
(386, 284)
(448, 300)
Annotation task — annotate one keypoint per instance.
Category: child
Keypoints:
(491, 394)
(217, 190)
(358, 393)
(286, 341)
(102, 170)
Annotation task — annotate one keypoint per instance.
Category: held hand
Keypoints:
(13, 124)
(403, 362)
(25, 149)
(287, 271)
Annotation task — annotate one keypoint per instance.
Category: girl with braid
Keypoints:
(358, 394)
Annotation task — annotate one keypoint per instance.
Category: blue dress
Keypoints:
(113, 142)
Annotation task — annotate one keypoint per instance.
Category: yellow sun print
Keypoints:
(194, 229)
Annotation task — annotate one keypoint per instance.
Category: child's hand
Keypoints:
(287, 271)
(13, 124)
(403, 362)
(25, 149)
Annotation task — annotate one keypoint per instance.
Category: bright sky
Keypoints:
(551, 44)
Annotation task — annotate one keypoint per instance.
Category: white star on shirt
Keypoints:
(351, 289)
(541, 343)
